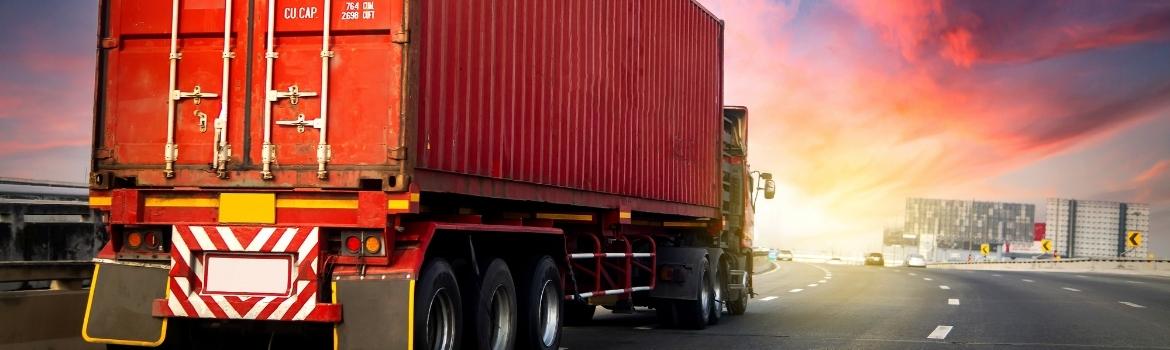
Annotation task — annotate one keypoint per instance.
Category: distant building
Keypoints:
(1096, 229)
(954, 229)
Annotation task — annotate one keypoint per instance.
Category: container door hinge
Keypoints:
(401, 37)
(108, 43)
(103, 153)
(324, 155)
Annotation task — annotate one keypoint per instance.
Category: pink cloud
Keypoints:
(1153, 172)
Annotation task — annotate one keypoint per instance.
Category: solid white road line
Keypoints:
(1028, 280)
(952, 301)
(926, 279)
(1071, 289)
(940, 332)
(797, 290)
(770, 298)
(1132, 304)
(943, 287)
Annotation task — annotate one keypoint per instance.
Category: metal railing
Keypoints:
(61, 275)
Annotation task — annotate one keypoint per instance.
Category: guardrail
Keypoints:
(1107, 265)
(62, 275)
(1054, 261)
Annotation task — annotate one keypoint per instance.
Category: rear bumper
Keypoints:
(263, 310)
(187, 276)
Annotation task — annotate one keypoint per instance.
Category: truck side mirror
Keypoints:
(769, 189)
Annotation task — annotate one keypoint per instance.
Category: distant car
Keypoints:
(915, 260)
(835, 261)
(784, 255)
(875, 259)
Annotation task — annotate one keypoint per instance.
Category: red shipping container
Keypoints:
(580, 102)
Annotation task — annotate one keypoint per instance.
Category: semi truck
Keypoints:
(412, 174)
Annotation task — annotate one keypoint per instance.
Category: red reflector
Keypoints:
(152, 240)
(353, 243)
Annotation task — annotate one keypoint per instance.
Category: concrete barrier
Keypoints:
(761, 265)
(1119, 266)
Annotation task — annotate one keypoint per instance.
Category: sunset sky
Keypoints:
(855, 105)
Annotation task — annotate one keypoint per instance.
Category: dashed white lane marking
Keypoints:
(943, 287)
(821, 281)
(644, 328)
(770, 298)
(828, 277)
(1132, 304)
(1135, 282)
(812, 285)
(1027, 280)
(1071, 289)
(926, 279)
(940, 332)
(952, 301)
(797, 290)
(994, 275)
(913, 274)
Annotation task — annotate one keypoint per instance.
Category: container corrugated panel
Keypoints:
(616, 97)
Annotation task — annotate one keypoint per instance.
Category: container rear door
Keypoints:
(312, 89)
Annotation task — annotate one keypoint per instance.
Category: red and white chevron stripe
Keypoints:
(187, 299)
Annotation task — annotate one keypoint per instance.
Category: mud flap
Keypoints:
(687, 261)
(118, 308)
(378, 313)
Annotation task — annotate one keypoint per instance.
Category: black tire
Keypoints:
(696, 314)
(578, 313)
(664, 310)
(495, 309)
(541, 306)
(438, 315)
(720, 295)
(738, 306)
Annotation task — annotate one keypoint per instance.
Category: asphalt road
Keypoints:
(817, 306)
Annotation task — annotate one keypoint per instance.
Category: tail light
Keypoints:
(366, 243)
(144, 243)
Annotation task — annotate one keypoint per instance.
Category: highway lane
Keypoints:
(805, 306)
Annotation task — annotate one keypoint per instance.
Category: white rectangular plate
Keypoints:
(248, 274)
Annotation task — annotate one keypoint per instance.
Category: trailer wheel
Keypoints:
(495, 316)
(438, 315)
(695, 314)
(739, 305)
(720, 294)
(541, 306)
(664, 310)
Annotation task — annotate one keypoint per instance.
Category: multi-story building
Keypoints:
(953, 229)
(1096, 229)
